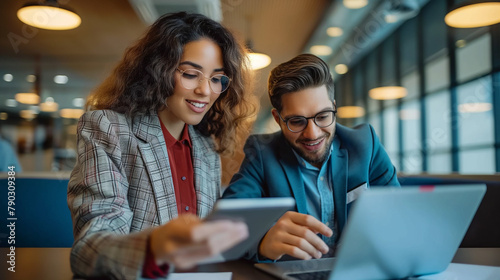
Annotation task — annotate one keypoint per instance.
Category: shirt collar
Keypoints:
(304, 163)
(171, 141)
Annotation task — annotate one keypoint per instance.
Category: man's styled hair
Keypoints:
(301, 72)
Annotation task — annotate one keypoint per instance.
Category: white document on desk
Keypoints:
(457, 271)
(201, 275)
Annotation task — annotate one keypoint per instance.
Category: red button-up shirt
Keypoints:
(181, 167)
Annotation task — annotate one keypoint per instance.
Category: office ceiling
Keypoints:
(362, 28)
(86, 54)
(279, 28)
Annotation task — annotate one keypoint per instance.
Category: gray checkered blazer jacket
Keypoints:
(122, 186)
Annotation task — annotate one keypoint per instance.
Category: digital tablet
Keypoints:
(258, 213)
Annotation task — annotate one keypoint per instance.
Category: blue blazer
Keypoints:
(270, 169)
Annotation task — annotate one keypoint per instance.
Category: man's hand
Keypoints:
(295, 234)
(187, 240)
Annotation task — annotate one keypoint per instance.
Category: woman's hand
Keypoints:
(187, 240)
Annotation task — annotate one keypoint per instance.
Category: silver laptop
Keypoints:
(394, 233)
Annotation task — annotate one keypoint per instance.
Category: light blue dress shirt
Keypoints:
(319, 193)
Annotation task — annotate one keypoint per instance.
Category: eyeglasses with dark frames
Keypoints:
(299, 123)
(192, 78)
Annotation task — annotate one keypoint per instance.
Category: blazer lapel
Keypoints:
(338, 162)
(206, 193)
(292, 172)
(155, 156)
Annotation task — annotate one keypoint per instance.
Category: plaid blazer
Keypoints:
(122, 186)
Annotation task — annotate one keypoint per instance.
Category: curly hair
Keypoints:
(144, 78)
(301, 72)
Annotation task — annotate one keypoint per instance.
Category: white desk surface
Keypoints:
(458, 271)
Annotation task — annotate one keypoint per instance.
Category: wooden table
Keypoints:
(53, 264)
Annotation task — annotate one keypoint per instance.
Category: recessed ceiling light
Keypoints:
(350, 112)
(27, 114)
(321, 50)
(8, 78)
(78, 102)
(31, 78)
(334, 31)
(3, 116)
(388, 93)
(49, 105)
(28, 98)
(474, 107)
(61, 79)
(71, 113)
(390, 18)
(355, 4)
(258, 60)
(341, 69)
(11, 103)
(49, 15)
(472, 15)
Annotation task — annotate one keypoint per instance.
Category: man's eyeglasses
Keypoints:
(191, 78)
(299, 123)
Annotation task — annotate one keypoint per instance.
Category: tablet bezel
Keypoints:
(259, 214)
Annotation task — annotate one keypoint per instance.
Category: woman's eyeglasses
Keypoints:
(191, 79)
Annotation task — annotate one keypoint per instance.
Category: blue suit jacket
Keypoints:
(270, 169)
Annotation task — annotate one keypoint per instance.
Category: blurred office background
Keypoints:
(446, 118)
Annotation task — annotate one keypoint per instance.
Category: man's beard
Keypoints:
(314, 158)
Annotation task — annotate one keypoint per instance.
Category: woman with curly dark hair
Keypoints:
(148, 164)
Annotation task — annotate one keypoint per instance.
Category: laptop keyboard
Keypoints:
(316, 275)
